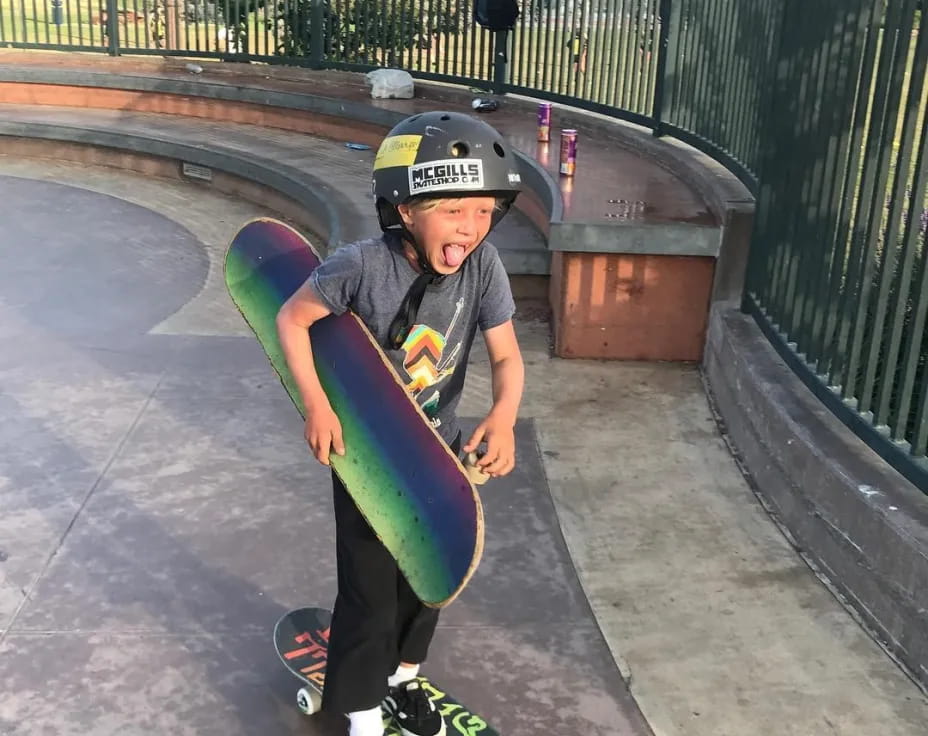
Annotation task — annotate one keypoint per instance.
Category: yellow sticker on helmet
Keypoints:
(398, 150)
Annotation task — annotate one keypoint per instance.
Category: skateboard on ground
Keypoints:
(412, 490)
(301, 639)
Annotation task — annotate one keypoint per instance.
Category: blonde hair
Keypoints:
(427, 204)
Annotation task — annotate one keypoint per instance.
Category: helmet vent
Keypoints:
(445, 117)
(459, 149)
(499, 150)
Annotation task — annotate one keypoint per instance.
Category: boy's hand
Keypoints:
(500, 457)
(323, 432)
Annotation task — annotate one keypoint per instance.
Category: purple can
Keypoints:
(544, 122)
(568, 152)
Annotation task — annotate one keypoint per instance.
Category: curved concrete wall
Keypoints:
(848, 512)
(256, 185)
(301, 113)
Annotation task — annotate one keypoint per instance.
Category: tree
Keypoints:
(368, 31)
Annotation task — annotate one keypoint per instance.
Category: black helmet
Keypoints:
(442, 154)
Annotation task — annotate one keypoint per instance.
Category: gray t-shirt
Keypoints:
(371, 277)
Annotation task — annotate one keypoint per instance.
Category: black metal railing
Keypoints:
(600, 53)
(720, 63)
(839, 272)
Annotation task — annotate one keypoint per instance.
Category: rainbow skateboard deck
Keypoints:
(413, 491)
(301, 638)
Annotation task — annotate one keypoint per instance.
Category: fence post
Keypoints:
(170, 25)
(666, 66)
(500, 62)
(112, 27)
(57, 13)
(317, 34)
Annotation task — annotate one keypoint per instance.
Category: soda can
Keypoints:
(544, 122)
(568, 152)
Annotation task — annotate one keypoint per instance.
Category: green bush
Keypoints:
(367, 31)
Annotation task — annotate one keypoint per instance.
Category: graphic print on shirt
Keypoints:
(427, 362)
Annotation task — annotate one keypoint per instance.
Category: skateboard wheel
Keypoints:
(476, 475)
(308, 701)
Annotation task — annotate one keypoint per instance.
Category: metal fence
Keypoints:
(601, 53)
(818, 107)
(839, 272)
(720, 62)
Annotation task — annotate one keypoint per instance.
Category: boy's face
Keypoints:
(451, 231)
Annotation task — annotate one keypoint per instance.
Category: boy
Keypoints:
(441, 181)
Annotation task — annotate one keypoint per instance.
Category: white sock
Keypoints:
(366, 722)
(403, 674)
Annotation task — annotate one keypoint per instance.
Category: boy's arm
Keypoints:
(507, 370)
(498, 429)
(294, 319)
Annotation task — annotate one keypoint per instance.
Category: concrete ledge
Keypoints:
(666, 239)
(653, 254)
(253, 104)
(328, 213)
(630, 306)
(855, 518)
(330, 118)
(729, 200)
(167, 168)
(671, 273)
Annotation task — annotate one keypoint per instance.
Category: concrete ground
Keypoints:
(158, 511)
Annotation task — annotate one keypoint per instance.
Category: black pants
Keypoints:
(378, 621)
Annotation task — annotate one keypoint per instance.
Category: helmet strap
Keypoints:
(409, 309)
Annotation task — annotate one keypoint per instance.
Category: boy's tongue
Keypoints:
(453, 254)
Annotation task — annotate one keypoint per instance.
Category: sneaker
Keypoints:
(412, 711)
